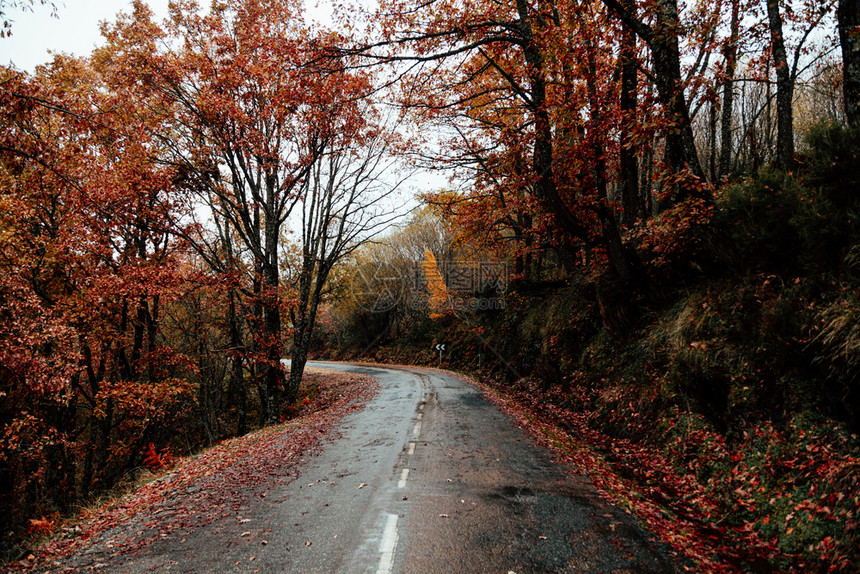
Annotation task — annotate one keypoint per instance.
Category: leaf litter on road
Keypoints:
(207, 487)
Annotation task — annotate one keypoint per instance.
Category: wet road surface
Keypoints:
(427, 478)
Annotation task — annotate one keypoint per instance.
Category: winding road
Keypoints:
(427, 478)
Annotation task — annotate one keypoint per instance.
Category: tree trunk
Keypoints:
(542, 156)
(309, 300)
(731, 55)
(302, 324)
(680, 141)
(625, 273)
(631, 202)
(104, 445)
(273, 374)
(238, 394)
(784, 89)
(848, 13)
(712, 138)
(662, 38)
(259, 371)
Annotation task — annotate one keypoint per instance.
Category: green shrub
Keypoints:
(828, 216)
(757, 216)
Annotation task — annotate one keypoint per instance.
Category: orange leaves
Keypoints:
(143, 404)
(86, 265)
(158, 460)
(675, 234)
(40, 526)
(439, 298)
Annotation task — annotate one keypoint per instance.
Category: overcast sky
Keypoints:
(75, 29)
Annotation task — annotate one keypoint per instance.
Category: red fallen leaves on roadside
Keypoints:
(216, 483)
(677, 509)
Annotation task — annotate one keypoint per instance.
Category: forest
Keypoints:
(644, 240)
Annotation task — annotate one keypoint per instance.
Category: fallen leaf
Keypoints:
(443, 516)
(246, 534)
(362, 485)
(308, 543)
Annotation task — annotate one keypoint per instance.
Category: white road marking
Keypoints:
(411, 448)
(417, 430)
(403, 474)
(387, 545)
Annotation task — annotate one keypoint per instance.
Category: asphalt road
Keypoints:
(427, 478)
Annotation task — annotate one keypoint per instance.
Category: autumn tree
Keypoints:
(381, 293)
(784, 87)
(806, 19)
(516, 58)
(730, 56)
(265, 128)
(663, 39)
(347, 198)
(89, 265)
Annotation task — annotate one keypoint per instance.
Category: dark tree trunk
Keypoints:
(680, 142)
(273, 372)
(89, 464)
(625, 270)
(309, 299)
(631, 201)
(238, 394)
(139, 332)
(731, 55)
(662, 38)
(848, 13)
(259, 370)
(105, 425)
(301, 339)
(784, 89)
(712, 139)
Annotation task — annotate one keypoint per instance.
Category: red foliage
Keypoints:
(40, 526)
(157, 461)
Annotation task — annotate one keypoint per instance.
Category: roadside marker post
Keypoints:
(440, 347)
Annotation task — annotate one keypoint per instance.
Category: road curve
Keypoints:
(427, 478)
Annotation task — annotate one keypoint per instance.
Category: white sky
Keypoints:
(75, 30)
